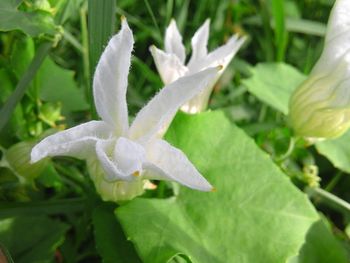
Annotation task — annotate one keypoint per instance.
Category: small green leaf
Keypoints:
(337, 151)
(32, 23)
(256, 212)
(273, 83)
(57, 84)
(32, 239)
(110, 239)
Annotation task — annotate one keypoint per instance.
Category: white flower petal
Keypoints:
(169, 163)
(168, 65)
(78, 141)
(199, 43)
(129, 156)
(200, 102)
(104, 152)
(220, 56)
(337, 42)
(111, 79)
(162, 108)
(173, 42)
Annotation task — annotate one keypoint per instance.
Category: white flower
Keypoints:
(171, 63)
(127, 155)
(320, 107)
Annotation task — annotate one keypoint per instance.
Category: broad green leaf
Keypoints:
(273, 83)
(57, 84)
(337, 151)
(32, 238)
(321, 247)
(32, 23)
(256, 212)
(110, 239)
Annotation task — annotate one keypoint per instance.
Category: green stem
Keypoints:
(289, 150)
(71, 39)
(329, 198)
(72, 176)
(23, 84)
(43, 207)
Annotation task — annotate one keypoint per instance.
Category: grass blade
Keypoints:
(280, 28)
(101, 26)
(150, 11)
(265, 43)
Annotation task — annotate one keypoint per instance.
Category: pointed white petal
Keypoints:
(220, 56)
(129, 156)
(104, 152)
(162, 108)
(111, 79)
(168, 65)
(199, 43)
(173, 42)
(76, 142)
(169, 163)
(337, 42)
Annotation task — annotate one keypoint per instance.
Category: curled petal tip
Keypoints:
(220, 67)
(122, 18)
(213, 189)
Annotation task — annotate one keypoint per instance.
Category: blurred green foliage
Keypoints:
(53, 87)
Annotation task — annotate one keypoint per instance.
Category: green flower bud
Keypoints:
(18, 160)
(320, 107)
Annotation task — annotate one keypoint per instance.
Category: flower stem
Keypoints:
(42, 207)
(329, 198)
